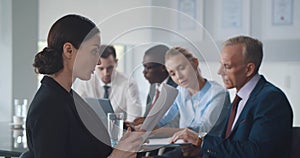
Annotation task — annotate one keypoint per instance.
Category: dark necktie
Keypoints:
(235, 103)
(155, 98)
(106, 94)
(150, 98)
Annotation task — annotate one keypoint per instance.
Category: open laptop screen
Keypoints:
(105, 104)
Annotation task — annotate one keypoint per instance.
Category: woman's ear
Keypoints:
(195, 63)
(250, 68)
(68, 50)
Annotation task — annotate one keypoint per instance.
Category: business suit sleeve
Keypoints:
(263, 129)
(133, 102)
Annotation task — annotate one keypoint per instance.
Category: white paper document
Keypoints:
(163, 141)
(161, 106)
(156, 143)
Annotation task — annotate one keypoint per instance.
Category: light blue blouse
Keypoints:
(199, 111)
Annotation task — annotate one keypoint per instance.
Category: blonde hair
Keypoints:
(179, 50)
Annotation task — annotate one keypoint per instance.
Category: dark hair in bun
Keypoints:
(48, 61)
(70, 28)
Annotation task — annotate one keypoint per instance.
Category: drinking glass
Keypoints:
(20, 111)
(19, 139)
(115, 127)
(20, 107)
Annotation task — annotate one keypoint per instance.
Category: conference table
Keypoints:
(12, 140)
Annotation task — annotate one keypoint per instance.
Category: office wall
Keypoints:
(18, 43)
(281, 58)
(131, 23)
(115, 18)
(5, 59)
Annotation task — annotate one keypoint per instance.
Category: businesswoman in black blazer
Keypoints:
(54, 127)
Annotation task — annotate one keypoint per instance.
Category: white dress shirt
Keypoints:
(123, 93)
(244, 93)
(158, 86)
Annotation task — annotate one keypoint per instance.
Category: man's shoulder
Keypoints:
(120, 75)
(265, 87)
(121, 78)
(92, 79)
(171, 82)
(265, 91)
(270, 89)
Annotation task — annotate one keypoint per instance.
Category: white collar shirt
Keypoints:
(244, 93)
(123, 93)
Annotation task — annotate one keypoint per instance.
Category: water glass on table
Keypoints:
(20, 112)
(115, 127)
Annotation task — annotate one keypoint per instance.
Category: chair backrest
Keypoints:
(295, 147)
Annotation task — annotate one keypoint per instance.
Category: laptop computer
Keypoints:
(103, 103)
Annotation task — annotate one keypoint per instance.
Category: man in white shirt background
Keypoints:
(107, 82)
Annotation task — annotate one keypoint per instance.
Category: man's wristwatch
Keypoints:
(201, 135)
(199, 142)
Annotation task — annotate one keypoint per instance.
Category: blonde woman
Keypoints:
(199, 101)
